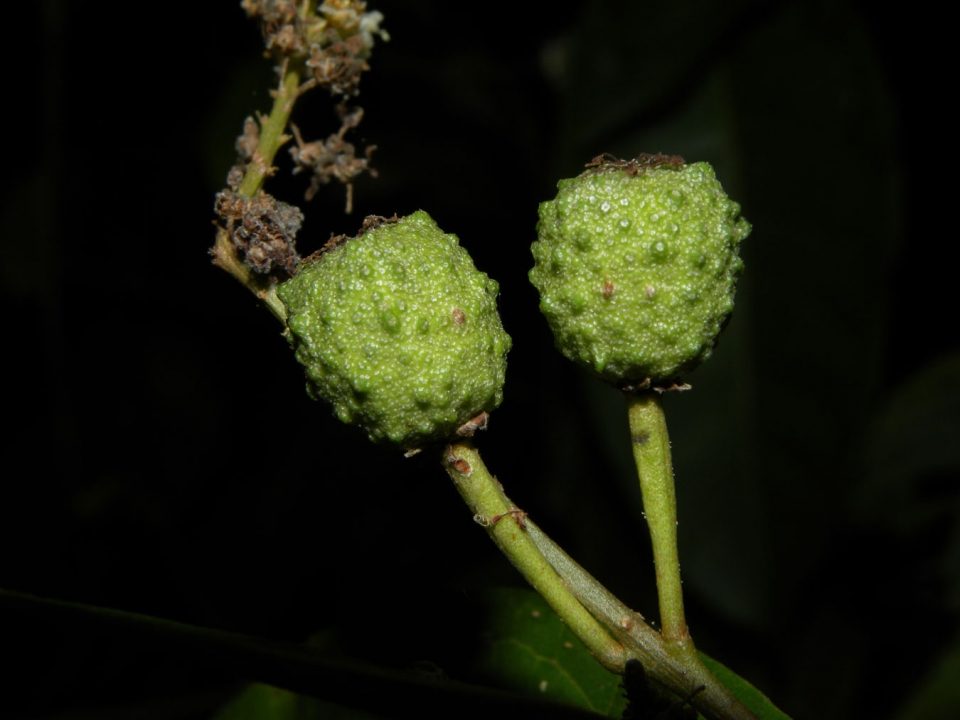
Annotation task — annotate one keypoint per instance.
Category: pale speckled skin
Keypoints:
(399, 332)
(637, 272)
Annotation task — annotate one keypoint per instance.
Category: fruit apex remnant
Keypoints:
(637, 263)
(399, 331)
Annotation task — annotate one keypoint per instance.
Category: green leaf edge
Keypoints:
(759, 704)
(294, 668)
(512, 604)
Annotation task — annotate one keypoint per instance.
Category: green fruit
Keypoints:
(636, 265)
(399, 332)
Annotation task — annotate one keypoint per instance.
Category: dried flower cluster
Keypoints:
(332, 159)
(263, 228)
(642, 162)
(334, 43)
(326, 46)
(332, 47)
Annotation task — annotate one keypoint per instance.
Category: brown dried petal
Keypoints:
(248, 142)
(263, 228)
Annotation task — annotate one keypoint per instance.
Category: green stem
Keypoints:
(585, 605)
(506, 526)
(272, 139)
(272, 136)
(678, 668)
(225, 256)
(651, 452)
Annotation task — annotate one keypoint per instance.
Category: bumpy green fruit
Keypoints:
(399, 332)
(636, 265)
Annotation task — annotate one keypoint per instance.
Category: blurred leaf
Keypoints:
(939, 693)
(31, 262)
(337, 679)
(751, 697)
(265, 702)
(911, 467)
(818, 260)
(270, 703)
(914, 436)
(532, 651)
(630, 59)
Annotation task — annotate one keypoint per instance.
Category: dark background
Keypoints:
(162, 456)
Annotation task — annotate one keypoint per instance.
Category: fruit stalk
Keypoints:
(682, 672)
(591, 611)
(507, 528)
(651, 453)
